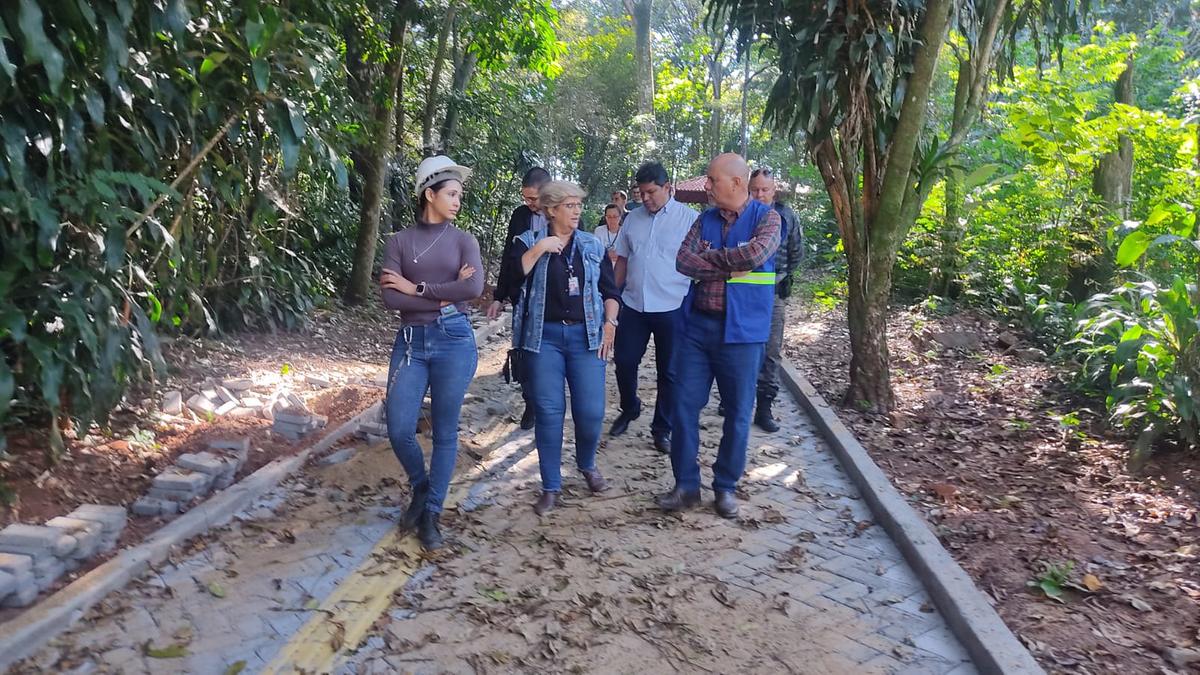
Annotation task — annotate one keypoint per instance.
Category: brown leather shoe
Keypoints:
(679, 500)
(546, 503)
(726, 504)
(594, 480)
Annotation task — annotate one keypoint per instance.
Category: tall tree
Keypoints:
(374, 64)
(639, 13)
(855, 80)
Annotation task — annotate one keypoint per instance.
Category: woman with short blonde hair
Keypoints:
(567, 318)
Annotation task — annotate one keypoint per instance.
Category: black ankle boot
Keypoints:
(416, 507)
(428, 532)
(763, 417)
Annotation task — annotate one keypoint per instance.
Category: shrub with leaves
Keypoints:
(1140, 349)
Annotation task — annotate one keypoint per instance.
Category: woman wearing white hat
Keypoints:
(430, 271)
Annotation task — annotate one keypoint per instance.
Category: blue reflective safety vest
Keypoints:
(749, 299)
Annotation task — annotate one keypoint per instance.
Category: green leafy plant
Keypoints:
(1052, 579)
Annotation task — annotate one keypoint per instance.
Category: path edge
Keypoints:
(46, 620)
(993, 647)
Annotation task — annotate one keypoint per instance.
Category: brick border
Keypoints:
(45, 620)
(992, 646)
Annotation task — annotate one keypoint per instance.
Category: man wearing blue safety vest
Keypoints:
(730, 255)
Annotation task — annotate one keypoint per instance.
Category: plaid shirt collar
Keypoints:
(732, 216)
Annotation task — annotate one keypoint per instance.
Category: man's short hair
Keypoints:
(535, 177)
(620, 192)
(651, 172)
(763, 171)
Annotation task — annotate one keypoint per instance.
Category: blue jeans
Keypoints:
(632, 337)
(701, 355)
(441, 358)
(564, 356)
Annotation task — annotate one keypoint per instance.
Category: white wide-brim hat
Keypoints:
(436, 168)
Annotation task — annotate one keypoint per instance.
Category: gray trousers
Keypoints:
(768, 375)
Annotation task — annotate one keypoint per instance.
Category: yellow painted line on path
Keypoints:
(347, 614)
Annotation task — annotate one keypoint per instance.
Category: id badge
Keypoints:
(572, 286)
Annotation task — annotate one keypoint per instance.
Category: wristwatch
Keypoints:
(614, 322)
(421, 288)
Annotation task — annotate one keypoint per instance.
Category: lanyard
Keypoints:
(569, 256)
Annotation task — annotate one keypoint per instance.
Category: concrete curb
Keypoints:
(45, 620)
(992, 646)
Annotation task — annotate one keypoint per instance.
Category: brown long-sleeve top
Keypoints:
(418, 254)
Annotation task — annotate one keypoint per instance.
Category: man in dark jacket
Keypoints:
(508, 280)
(787, 261)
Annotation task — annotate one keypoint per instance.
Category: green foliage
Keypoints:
(1139, 348)
(1052, 579)
(101, 253)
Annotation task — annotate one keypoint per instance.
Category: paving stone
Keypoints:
(23, 596)
(226, 396)
(111, 518)
(239, 446)
(238, 384)
(8, 583)
(206, 463)
(318, 381)
(372, 428)
(46, 576)
(152, 507)
(253, 402)
(179, 480)
(16, 564)
(86, 533)
(226, 408)
(201, 405)
(34, 540)
(941, 641)
(173, 402)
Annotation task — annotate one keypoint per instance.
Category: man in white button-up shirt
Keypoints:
(653, 295)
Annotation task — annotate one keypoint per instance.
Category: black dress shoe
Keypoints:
(679, 500)
(726, 504)
(428, 532)
(765, 420)
(528, 418)
(662, 442)
(621, 424)
(416, 507)
(546, 503)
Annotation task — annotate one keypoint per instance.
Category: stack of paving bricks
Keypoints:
(33, 557)
(292, 418)
(234, 398)
(374, 429)
(194, 475)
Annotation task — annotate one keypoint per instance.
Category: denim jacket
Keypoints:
(530, 311)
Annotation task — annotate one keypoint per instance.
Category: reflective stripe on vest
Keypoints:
(761, 278)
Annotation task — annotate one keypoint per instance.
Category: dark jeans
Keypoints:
(768, 377)
(441, 358)
(564, 357)
(701, 356)
(633, 335)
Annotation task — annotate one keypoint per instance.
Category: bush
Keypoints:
(1140, 350)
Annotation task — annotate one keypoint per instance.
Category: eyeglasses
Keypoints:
(765, 173)
(574, 206)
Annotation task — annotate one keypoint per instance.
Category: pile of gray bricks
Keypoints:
(374, 428)
(33, 557)
(292, 418)
(194, 475)
(233, 398)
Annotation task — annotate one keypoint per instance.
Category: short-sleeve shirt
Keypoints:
(607, 239)
(650, 242)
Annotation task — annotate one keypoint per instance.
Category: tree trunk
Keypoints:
(464, 70)
(716, 73)
(875, 220)
(639, 11)
(951, 235)
(1112, 183)
(435, 78)
(378, 91)
(745, 102)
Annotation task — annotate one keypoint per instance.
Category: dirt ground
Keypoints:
(976, 443)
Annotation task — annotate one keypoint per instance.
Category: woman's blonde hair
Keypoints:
(558, 191)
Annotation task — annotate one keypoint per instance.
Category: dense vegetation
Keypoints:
(199, 167)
